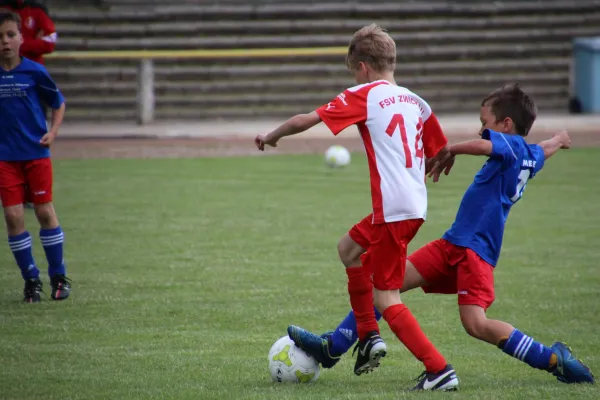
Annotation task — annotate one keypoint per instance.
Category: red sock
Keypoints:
(407, 329)
(360, 289)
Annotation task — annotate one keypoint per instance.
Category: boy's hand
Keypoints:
(261, 140)
(444, 165)
(442, 162)
(560, 140)
(564, 139)
(48, 139)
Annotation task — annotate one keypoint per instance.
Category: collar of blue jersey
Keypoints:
(486, 134)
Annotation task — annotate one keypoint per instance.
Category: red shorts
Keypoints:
(452, 269)
(361, 232)
(25, 181)
(385, 258)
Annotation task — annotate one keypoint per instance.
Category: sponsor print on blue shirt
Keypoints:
(480, 220)
(22, 121)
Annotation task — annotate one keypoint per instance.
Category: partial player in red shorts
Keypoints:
(463, 260)
(25, 166)
(451, 269)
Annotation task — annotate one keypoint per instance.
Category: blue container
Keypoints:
(586, 52)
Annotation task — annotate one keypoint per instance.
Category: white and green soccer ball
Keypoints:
(337, 156)
(289, 363)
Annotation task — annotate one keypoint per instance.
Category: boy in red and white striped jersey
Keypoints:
(399, 131)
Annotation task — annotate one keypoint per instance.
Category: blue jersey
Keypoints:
(22, 121)
(484, 208)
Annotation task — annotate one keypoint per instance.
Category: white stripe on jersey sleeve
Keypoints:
(51, 38)
(509, 146)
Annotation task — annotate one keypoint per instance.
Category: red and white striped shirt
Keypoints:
(398, 130)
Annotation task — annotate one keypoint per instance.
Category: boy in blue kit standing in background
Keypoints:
(25, 166)
(463, 260)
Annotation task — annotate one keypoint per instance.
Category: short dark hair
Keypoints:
(510, 101)
(6, 15)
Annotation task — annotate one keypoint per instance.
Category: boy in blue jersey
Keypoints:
(25, 166)
(463, 260)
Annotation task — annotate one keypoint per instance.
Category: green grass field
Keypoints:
(186, 271)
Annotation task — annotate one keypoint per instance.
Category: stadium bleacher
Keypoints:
(452, 53)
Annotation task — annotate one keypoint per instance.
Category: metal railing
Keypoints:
(146, 76)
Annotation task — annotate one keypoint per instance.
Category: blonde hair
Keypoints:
(372, 45)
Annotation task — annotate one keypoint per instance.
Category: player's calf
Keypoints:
(46, 215)
(506, 337)
(477, 325)
(52, 238)
(20, 243)
(557, 360)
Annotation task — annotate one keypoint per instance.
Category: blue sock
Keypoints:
(52, 240)
(346, 334)
(21, 249)
(524, 348)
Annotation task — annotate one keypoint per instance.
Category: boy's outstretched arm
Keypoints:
(559, 140)
(445, 161)
(475, 147)
(297, 124)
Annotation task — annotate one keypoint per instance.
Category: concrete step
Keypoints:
(332, 26)
(86, 76)
(525, 37)
(559, 41)
(331, 65)
(339, 84)
(435, 93)
(285, 85)
(199, 71)
(341, 10)
(292, 65)
(547, 104)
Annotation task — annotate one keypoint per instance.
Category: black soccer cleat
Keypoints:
(32, 290)
(445, 380)
(370, 351)
(61, 287)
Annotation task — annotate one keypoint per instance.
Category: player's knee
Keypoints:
(349, 251)
(474, 325)
(15, 220)
(46, 215)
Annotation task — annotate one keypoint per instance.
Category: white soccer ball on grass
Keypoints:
(337, 156)
(289, 363)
